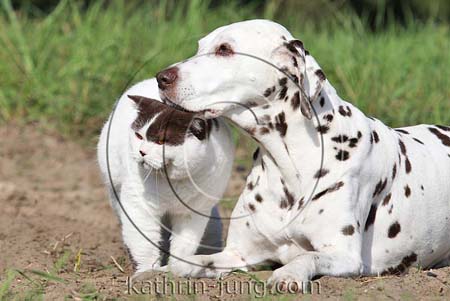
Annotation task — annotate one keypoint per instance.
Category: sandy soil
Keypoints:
(59, 235)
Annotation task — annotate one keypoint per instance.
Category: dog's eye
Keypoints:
(139, 136)
(224, 50)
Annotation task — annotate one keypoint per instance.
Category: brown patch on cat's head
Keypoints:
(168, 125)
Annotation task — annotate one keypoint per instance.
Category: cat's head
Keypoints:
(162, 135)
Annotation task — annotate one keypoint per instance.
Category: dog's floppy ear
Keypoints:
(310, 77)
(290, 57)
(200, 127)
(315, 78)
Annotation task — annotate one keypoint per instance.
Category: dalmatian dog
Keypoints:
(332, 191)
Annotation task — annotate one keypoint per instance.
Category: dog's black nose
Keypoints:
(167, 77)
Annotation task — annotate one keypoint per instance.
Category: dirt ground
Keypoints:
(59, 237)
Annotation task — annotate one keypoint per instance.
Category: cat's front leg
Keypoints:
(187, 233)
(141, 229)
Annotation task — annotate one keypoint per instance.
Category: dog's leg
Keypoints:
(304, 267)
(335, 237)
(246, 246)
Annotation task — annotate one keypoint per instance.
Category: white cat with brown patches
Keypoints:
(169, 170)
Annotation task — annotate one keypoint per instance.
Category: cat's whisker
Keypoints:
(148, 174)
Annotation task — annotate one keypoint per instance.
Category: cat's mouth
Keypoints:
(208, 113)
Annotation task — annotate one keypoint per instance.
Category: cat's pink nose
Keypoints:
(142, 153)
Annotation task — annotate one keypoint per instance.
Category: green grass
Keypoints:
(65, 69)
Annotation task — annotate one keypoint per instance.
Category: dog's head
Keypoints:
(231, 70)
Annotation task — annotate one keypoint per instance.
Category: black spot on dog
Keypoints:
(402, 147)
(443, 127)
(264, 130)
(402, 131)
(346, 112)
(323, 129)
(250, 130)
(294, 61)
(387, 199)
(283, 204)
(406, 262)
(371, 217)
(280, 124)
(320, 75)
(407, 191)
(381, 185)
(421, 187)
(250, 186)
(393, 230)
(282, 81)
(295, 101)
(418, 141)
(268, 92)
(247, 224)
(291, 48)
(251, 207)
(353, 142)
(407, 165)
(333, 188)
(321, 173)
(300, 203)
(348, 230)
(444, 138)
(283, 93)
(256, 154)
(340, 139)
(258, 198)
(289, 197)
(394, 171)
(376, 138)
(322, 101)
(343, 155)
(328, 117)
(320, 211)
(390, 209)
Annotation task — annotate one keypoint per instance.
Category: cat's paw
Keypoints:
(143, 274)
(196, 266)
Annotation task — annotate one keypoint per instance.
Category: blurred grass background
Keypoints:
(64, 63)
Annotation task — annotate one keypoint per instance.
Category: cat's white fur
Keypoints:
(198, 171)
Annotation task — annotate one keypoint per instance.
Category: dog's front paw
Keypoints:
(286, 282)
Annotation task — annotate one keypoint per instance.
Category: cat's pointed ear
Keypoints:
(200, 128)
(136, 98)
(141, 99)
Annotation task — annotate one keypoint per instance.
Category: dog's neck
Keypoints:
(292, 141)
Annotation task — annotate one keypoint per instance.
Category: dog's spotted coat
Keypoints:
(379, 203)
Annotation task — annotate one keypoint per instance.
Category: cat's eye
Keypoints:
(224, 49)
(139, 136)
(160, 141)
